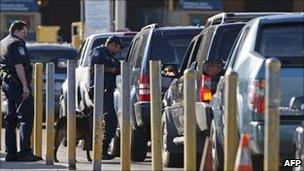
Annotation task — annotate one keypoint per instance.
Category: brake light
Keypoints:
(256, 96)
(205, 89)
(144, 87)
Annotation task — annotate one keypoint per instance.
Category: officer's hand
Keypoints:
(26, 92)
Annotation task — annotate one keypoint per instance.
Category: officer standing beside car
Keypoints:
(16, 86)
(105, 54)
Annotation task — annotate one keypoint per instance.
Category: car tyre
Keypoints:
(217, 150)
(138, 146)
(170, 159)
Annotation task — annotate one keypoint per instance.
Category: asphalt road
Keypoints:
(82, 163)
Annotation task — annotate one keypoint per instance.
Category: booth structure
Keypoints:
(27, 11)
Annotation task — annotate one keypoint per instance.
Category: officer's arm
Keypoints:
(98, 58)
(21, 75)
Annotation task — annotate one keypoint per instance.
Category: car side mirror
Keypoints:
(213, 67)
(169, 70)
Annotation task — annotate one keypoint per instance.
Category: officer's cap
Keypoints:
(115, 39)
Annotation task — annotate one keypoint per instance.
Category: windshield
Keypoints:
(170, 49)
(53, 55)
(282, 41)
(121, 54)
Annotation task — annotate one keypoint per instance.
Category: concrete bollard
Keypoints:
(189, 121)
(230, 129)
(50, 108)
(125, 140)
(272, 116)
(98, 116)
(155, 92)
(71, 116)
(38, 109)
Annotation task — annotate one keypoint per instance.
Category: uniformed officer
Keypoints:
(104, 54)
(14, 55)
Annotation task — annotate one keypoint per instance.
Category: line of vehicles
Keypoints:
(239, 42)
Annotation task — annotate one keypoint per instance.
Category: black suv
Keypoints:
(209, 49)
(167, 44)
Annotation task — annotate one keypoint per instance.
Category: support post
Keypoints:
(98, 116)
(38, 109)
(272, 116)
(189, 121)
(71, 114)
(50, 108)
(125, 141)
(230, 129)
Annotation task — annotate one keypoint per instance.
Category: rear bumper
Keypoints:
(287, 129)
(142, 114)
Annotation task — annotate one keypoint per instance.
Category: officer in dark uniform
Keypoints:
(16, 64)
(104, 54)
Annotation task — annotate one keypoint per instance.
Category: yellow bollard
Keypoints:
(230, 129)
(50, 108)
(189, 121)
(38, 100)
(272, 117)
(125, 140)
(71, 115)
(98, 116)
(156, 133)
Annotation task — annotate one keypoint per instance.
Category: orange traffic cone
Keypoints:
(243, 158)
(206, 162)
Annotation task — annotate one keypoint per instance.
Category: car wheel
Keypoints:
(217, 150)
(138, 146)
(115, 145)
(170, 159)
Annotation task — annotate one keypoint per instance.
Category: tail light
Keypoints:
(144, 87)
(256, 95)
(205, 89)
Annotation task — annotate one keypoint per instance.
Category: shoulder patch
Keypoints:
(21, 51)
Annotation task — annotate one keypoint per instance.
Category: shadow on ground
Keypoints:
(26, 165)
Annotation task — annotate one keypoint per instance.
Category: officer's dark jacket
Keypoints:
(100, 55)
(14, 52)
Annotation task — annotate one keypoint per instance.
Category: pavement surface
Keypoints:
(82, 163)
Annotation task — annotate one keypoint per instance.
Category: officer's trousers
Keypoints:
(110, 118)
(20, 113)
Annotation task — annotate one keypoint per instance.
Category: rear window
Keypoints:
(120, 55)
(224, 43)
(282, 41)
(53, 55)
(170, 49)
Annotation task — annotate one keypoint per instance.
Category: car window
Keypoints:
(238, 46)
(132, 54)
(140, 49)
(169, 49)
(204, 46)
(186, 57)
(282, 41)
(57, 56)
(194, 50)
(224, 44)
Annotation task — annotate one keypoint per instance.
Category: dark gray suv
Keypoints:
(167, 44)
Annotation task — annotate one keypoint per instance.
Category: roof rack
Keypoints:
(154, 25)
(222, 18)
